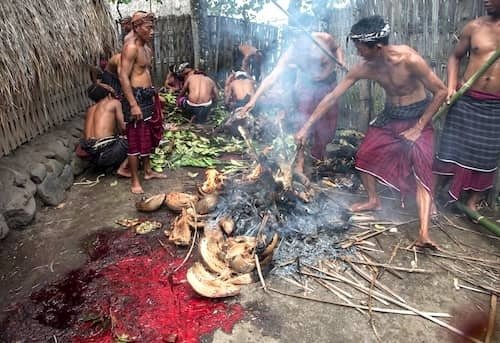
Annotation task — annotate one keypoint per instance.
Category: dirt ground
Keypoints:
(52, 246)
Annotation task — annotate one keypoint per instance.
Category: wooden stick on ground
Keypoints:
(331, 289)
(491, 319)
(387, 266)
(374, 309)
(259, 271)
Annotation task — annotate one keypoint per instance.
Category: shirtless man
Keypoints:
(102, 143)
(398, 147)
(201, 94)
(316, 77)
(238, 90)
(470, 142)
(139, 97)
(250, 59)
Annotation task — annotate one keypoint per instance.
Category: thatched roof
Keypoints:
(40, 39)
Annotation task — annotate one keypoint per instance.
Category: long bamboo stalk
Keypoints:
(482, 220)
(362, 307)
(467, 85)
(388, 266)
(491, 319)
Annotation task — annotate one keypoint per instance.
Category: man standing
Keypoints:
(470, 143)
(201, 94)
(398, 147)
(103, 144)
(139, 97)
(316, 77)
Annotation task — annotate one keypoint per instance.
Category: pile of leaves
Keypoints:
(185, 148)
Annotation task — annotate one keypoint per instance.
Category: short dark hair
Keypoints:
(97, 92)
(369, 25)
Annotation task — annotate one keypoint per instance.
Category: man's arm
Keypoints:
(120, 121)
(270, 79)
(329, 100)
(423, 72)
(457, 54)
(128, 57)
(337, 50)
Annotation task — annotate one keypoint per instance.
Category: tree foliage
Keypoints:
(236, 8)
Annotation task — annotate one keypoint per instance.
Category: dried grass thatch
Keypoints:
(41, 44)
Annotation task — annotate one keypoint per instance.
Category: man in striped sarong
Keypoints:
(470, 143)
(398, 148)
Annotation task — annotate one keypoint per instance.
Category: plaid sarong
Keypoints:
(471, 134)
(145, 98)
(393, 112)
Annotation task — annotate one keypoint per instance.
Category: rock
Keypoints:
(38, 172)
(64, 141)
(19, 210)
(4, 228)
(61, 152)
(50, 191)
(79, 165)
(66, 178)
(54, 166)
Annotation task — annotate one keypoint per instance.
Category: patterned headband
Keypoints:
(373, 36)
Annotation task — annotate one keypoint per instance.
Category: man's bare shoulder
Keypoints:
(130, 47)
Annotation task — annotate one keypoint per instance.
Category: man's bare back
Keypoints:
(104, 119)
(200, 88)
(241, 88)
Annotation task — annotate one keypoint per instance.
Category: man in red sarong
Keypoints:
(140, 103)
(470, 142)
(316, 77)
(398, 147)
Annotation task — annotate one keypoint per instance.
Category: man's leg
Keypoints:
(133, 163)
(123, 170)
(473, 200)
(424, 203)
(149, 173)
(373, 203)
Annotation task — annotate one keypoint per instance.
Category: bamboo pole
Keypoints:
(467, 85)
(491, 319)
(482, 220)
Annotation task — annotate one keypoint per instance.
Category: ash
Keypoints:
(308, 231)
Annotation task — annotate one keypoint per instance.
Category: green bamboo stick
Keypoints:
(467, 85)
(483, 221)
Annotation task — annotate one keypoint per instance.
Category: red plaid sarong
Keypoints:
(139, 136)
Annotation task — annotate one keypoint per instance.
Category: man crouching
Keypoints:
(102, 144)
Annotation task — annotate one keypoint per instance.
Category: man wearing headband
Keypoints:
(316, 77)
(103, 144)
(398, 146)
(140, 101)
(470, 142)
(238, 90)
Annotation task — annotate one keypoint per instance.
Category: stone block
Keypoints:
(66, 178)
(38, 171)
(50, 191)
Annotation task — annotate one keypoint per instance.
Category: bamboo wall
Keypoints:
(43, 110)
(173, 44)
(225, 34)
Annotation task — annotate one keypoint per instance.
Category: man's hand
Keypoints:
(248, 107)
(451, 93)
(300, 136)
(136, 112)
(412, 134)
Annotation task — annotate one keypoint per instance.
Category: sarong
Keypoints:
(240, 103)
(198, 112)
(470, 143)
(393, 160)
(140, 132)
(308, 95)
(105, 152)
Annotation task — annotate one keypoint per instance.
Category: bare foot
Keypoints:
(123, 173)
(154, 175)
(365, 206)
(425, 243)
(472, 205)
(301, 177)
(137, 189)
